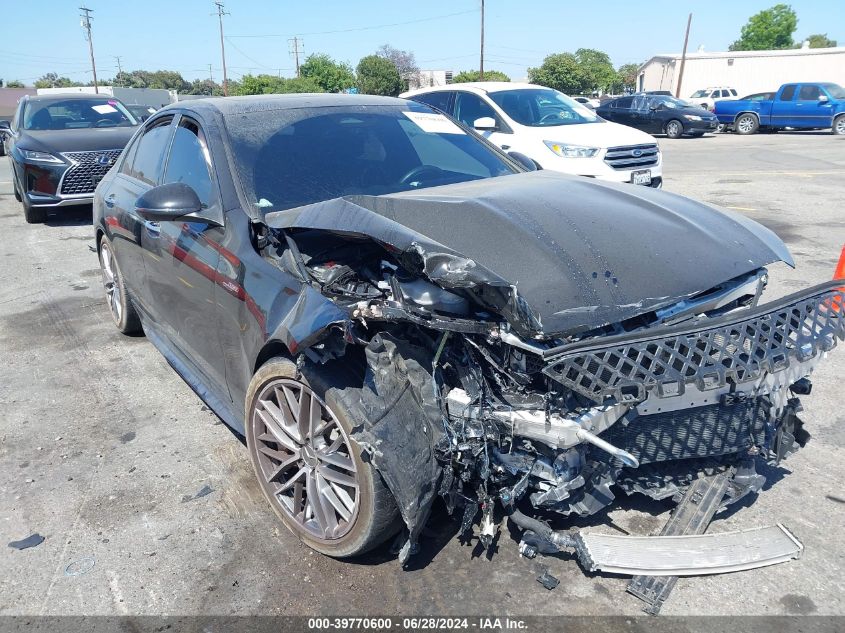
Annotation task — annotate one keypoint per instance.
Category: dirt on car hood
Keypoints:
(575, 254)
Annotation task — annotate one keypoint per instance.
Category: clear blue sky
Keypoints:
(182, 35)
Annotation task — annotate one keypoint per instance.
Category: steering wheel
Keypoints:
(417, 172)
(550, 116)
(104, 123)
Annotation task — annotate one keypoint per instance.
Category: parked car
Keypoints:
(803, 106)
(141, 112)
(664, 93)
(708, 97)
(553, 130)
(388, 309)
(590, 102)
(61, 146)
(659, 115)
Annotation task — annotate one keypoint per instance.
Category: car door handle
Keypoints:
(152, 227)
(109, 200)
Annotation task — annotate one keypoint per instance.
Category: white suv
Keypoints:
(553, 130)
(708, 97)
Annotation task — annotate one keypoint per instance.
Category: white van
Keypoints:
(556, 132)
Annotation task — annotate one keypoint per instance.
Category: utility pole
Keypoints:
(210, 74)
(86, 24)
(683, 60)
(294, 43)
(220, 13)
(119, 68)
(481, 65)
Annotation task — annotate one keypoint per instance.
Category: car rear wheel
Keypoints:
(309, 468)
(674, 129)
(120, 305)
(746, 124)
(838, 125)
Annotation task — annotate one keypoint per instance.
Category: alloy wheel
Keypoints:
(745, 124)
(673, 129)
(839, 125)
(305, 459)
(111, 282)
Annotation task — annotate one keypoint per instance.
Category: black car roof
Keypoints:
(261, 103)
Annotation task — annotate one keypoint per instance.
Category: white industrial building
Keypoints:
(747, 71)
(430, 79)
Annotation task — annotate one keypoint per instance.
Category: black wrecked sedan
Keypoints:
(659, 114)
(60, 147)
(390, 311)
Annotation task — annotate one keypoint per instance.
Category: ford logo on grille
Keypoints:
(103, 159)
(637, 153)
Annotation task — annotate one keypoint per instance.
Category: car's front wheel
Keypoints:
(120, 305)
(308, 467)
(674, 129)
(33, 214)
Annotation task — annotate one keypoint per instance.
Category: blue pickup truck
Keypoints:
(806, 106)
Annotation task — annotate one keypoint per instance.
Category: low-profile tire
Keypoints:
(746, 124)
(33, 214)
(674, 129)
(119, 301)
(313, 476)
(838, 127)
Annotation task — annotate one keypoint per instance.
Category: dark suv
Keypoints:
(61, 146)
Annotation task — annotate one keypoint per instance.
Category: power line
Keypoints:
(220, 14)
(86, 24)
(370, 28)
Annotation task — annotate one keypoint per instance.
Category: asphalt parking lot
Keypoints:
(147, 502)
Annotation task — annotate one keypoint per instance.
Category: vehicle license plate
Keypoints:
(642, 177)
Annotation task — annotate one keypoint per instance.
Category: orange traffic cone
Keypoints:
(839, 273)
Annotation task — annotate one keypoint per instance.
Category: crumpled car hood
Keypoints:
(580, 253)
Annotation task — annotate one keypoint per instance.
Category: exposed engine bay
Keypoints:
(470, 395)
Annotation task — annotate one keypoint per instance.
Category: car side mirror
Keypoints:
(485, 124)
(168, 202)
(5, 125)
(823, 99)
(523, 160)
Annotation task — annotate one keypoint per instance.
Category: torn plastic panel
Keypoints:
(399, 427)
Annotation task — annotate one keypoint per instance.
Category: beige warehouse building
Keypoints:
(747, 71)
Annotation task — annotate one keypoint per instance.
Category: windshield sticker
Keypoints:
(433, 123)
(104, 109)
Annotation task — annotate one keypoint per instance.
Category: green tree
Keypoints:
(378, 76)
(329, 75)
(771, 29)
(817, 40)
(466, 76)
(271, 84)
(205, 87)
(15, 84)
(596, 70)
(626, 78)
(560, 71)
(52, 80)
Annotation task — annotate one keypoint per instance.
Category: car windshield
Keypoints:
(69, 114)
(668, 102)
(542, 107)
(834, 90)
(292, 157)
(698, 94)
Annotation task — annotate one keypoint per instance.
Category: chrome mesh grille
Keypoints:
(632, 156)
(87, 171)
(708, 358)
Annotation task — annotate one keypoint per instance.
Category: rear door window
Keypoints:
(440, 100)
(624, 103)
(787, 93)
